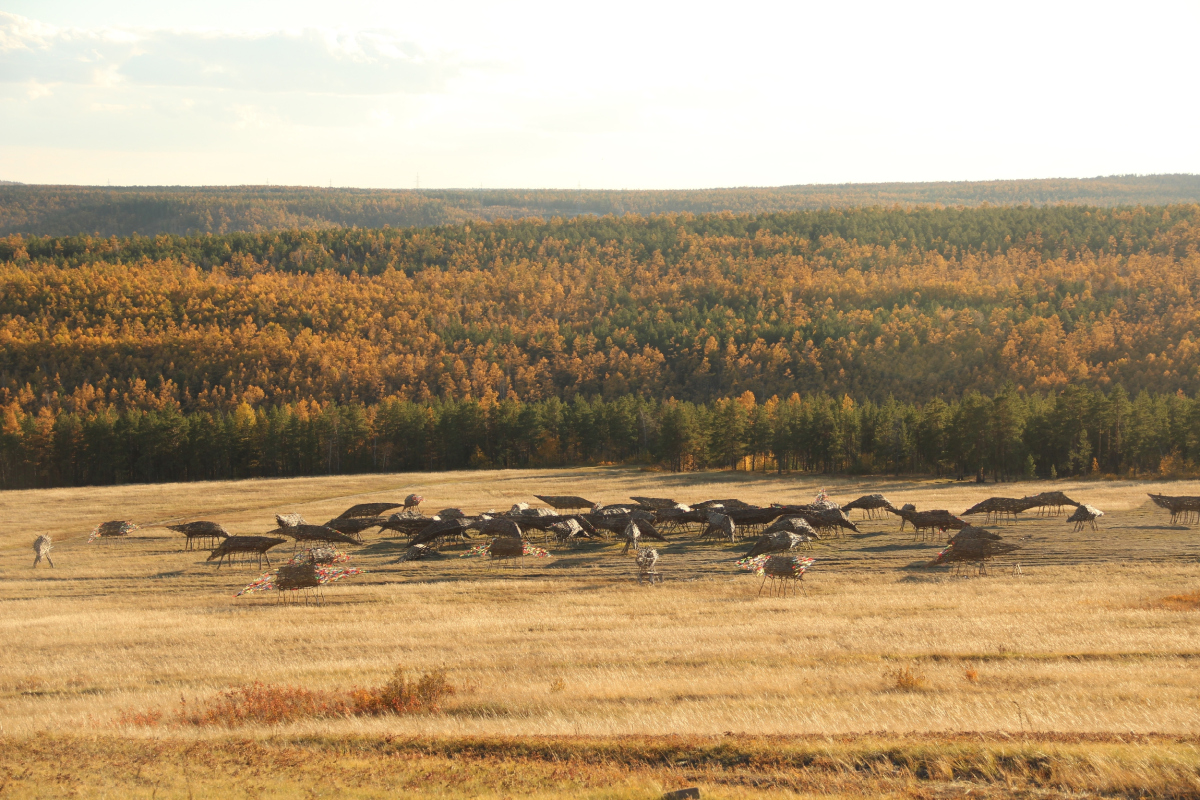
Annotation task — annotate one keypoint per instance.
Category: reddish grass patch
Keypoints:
(144, 719)
(1179, 602)
(269, 704)
(262, 704)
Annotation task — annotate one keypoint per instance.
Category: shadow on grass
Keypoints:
(901, 547)
(691, 480)
(384, 548)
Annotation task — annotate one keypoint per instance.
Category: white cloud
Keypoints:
(34, 90)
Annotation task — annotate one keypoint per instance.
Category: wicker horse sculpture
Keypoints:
(973, 547)
(873, 506)
(252, 546)
(42, 546)
(785, 572)
(308, 572)
(200, 533)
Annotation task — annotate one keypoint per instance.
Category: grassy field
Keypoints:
(1081, 659)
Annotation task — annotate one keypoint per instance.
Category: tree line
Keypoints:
(218, 210)
(1046, 231)
(1007, 436)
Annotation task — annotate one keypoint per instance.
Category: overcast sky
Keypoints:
(603, 95)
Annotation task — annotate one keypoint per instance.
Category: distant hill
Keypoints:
(122, 211)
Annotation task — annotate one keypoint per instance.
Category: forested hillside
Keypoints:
(1024, 340)
(123, 211)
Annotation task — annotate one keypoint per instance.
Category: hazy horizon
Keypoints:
(4, 181)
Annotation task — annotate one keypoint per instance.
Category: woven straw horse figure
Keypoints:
(200, 533)
(252, 546)
(782, 539)
(302, 574)
(647, 559)
(873, 506)
(300, 577)
(567, 530)
(970, 550)
(932, 524)
(1191, 510)
(112, 529)
(1185, 510)
(999, 509)
(633, 535)
(1085, 515)
(720, 526)
(906, 512)
(784, 572)
(1050, 504)
(505, 550)
(42, 546)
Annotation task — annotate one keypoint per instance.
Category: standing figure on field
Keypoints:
(42, 546)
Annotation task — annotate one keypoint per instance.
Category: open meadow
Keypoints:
(1084, 669)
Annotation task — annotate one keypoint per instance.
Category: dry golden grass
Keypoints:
(611, 768)
(571, 646)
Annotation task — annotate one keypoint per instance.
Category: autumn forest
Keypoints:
(1018, 340)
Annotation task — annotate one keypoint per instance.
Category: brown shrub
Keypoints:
(402, 696)
(269, 704)
(905, 679)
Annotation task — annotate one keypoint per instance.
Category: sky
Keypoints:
(596, 95)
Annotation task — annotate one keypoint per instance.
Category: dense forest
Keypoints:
(1011, 435)
(125, 210)
(1020, 340)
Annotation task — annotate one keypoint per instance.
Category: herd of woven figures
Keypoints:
(781, 530)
